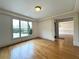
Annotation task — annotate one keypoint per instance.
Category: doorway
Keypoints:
(64, 29)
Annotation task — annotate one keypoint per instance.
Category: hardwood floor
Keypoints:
(40, 49)
(68, 39)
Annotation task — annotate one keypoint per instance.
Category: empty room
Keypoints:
(39, 29)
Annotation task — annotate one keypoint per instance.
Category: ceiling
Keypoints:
(49, 7)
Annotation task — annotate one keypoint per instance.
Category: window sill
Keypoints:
(22, 37)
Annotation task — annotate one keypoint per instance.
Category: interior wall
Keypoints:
(66, 28)
(43, 29)
(76, 29)
(46, 28)
(6, 31)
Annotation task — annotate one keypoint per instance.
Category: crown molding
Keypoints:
(13, 14)
(71, 12)
(44, 19)
(68, 14)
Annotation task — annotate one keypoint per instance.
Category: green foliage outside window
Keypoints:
(29, 29)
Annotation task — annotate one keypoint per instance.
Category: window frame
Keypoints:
(19, 28)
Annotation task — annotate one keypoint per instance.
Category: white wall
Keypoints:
(66, 28)
(76, 30)
(6, 31)
(46, 28)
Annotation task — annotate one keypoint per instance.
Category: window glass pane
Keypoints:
(16, 30)
(30, 23)
(30, 28)
(24, 28)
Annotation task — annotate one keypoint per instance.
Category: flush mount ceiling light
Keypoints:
(38, 8)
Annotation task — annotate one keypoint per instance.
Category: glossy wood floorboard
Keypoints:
(40, 49)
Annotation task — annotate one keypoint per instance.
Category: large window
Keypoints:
(21, 28)
(24, 28)
(16, 29)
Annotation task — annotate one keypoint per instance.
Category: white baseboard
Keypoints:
(52, 39)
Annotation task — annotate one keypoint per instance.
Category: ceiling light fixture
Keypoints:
(38, 8)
